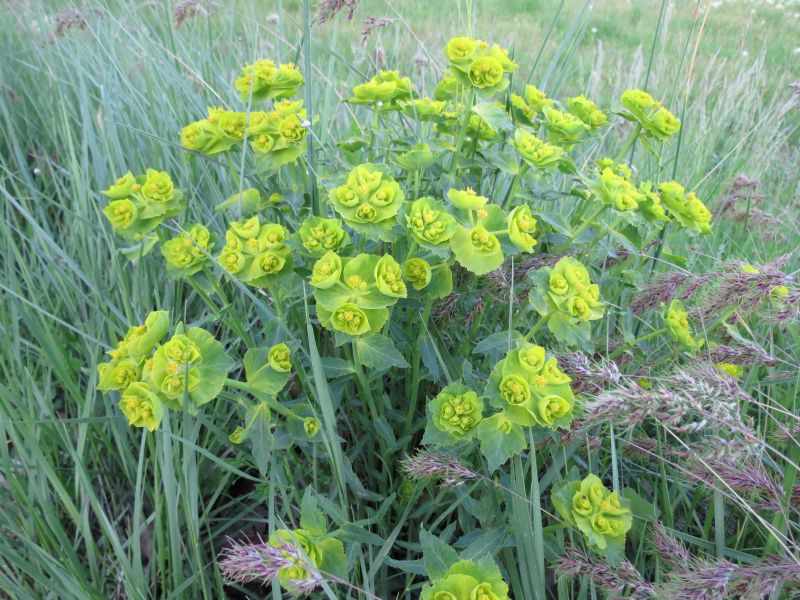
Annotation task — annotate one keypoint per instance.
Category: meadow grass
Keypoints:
(92, 508)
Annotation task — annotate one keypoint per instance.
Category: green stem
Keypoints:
(603, 234)
(636, 342)
(719, 523)
(271, 401)
(542, 321)
(582, 227)
(538, 537)
(629, 144)
(514, 185)
(413, 388)
(363, 384)
(373, 133)
(416, 184)
(462, 134)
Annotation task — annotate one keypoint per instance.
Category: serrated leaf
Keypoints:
(379, 352)
(500, 440)
(312, 519)
(437, 555)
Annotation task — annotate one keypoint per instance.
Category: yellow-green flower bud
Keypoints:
(157, 186)
(327, 271)
(587, 111)
(279, 357)
(122, 187)
(142, 406)
(521, 227)
(466, 199)
(418, 272)
(350, 319)
(536, 98)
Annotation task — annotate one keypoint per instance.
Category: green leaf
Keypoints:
(437, 555)
(260, 435)
(494, 115)
(500, 440)
(312, 519)
(260, 376)
(579, 335)
(379, 352)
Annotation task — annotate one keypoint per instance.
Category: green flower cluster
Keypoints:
(611, 184)
(587, 111)
(139, 204)
(150, 378)
(474, 64)
(563, 128)
(319, 235)
(686, 209)
(386, 91)
(256, 253)
(354, 294)
(305, 556)
(536, 152)
(601, 516)
(188, 252)
(455, 412)
(676, 320)
(368, 201)
(429, 224)
(530, 389)
(655, 120)
(264, 80)
(423, 109)
(277, 137)
(570, 292)
(468, 580)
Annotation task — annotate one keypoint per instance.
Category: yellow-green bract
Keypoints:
(530, 389)
(354, 294)
(468, 580)
(602, 517)
(139, 204)
(655, 120)
(305, 555)
(676, 320)
(256, 252)
(368, 201)
(474, 64)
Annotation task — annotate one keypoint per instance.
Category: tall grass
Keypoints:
(94, 509)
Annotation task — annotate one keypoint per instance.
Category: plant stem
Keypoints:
(514, 185)
(413, 389)
(462, 134)
(542, 321)
(538, 537)
(629, 144)
(271, 401)
(582, 227)
(636, 342)
(603, 234)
